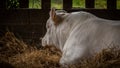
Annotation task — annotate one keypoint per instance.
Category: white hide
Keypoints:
(81, 34)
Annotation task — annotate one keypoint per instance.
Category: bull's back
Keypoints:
(89, 34)
(104, 34)
(97, 34)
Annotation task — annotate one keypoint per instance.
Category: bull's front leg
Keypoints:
(72, 54)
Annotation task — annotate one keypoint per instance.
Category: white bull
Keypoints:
(79, 34)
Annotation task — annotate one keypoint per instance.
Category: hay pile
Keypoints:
(10, 46)
(15, 53)
(18, 54)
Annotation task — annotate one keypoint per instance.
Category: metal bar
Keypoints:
(24, 3)
(3, 4)
(111, 4)
(46, 4)
(89, 3)
(67, 4)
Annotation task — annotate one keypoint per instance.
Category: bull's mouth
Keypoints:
(45, 44)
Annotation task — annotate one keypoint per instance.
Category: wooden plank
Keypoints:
(3, 4)
(111, 4)
(17, 20)
(89, 3)
(103, 13)
(14, 16)
(25, 31)
(46, 4)
(67, 4)
(37, 16)
(24, 3)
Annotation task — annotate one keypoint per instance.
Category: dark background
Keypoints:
(29, 24)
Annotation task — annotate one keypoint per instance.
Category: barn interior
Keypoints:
(28, 24)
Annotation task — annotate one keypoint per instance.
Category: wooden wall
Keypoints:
(29, 24)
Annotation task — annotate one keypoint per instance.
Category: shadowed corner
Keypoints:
(4, 64)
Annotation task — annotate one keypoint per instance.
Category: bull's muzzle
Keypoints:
(44, 42)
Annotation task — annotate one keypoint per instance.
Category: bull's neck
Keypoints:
(63, 32)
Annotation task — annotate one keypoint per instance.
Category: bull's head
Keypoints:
(53, 22)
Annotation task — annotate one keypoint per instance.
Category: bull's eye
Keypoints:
(48, 26)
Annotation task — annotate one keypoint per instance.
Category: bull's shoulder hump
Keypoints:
(83, 14)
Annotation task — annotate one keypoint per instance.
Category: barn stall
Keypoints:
(29, 24)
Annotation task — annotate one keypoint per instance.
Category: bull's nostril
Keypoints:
(44, 42)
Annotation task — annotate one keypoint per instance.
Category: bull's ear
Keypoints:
(56, 18)
(52, 13)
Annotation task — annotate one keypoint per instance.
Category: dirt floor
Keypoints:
(15, 53)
